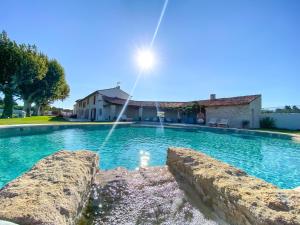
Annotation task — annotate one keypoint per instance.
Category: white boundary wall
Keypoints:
(289, 121)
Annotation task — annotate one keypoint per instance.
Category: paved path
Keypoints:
(146, 196)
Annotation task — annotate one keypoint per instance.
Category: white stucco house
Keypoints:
(106, 104)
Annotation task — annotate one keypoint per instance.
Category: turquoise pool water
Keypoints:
(272, 159)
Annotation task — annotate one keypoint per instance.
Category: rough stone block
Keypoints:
(54, 191)
(236, 197)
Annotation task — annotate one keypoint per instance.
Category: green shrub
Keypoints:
(267, 122)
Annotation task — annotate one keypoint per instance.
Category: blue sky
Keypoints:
(203, 46)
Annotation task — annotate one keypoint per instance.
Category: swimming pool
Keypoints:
(272, 159)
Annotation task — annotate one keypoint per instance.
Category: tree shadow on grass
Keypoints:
(57, 119)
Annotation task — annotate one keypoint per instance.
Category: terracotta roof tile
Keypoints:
(240, 100)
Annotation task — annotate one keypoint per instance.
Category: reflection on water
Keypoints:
(144, 159)
(296, 139)
(160, 130)
(160, 118)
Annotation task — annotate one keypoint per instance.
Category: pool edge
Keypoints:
(264, 133)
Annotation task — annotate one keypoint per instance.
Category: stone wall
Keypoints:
(236, 197)
(236, 114)
(255, 106)
(54, 191)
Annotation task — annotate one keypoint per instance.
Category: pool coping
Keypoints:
(232, 130)
(275, 134)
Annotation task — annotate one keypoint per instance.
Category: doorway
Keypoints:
(93, 114)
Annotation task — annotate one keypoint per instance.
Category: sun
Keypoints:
(145, 59)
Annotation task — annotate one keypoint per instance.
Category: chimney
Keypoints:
(118, 84)
(212, 96)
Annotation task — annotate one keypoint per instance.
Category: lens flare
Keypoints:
(145, 59)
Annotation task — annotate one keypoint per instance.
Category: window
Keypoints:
(87, 101)
(100, 112)
(94, 99)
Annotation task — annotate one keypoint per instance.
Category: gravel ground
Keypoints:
(145, 196)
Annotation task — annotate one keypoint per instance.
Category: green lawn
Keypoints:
(33, 120)
(44, 120)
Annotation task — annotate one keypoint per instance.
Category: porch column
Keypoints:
(178, 116)
(141, 112)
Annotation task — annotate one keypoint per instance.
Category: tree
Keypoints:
(296, 109)
(28, 74)
(10, 58)
(33, 68)
(288, 109)
(52, 87)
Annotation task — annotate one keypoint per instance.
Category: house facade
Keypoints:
(94, 108)
(106, 105)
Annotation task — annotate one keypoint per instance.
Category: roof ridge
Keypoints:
(150, 100)
(225, 98)
(238, 100)
(241, 96)
(101, 94)
(117, 87)
(107, 89)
